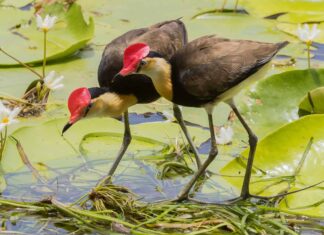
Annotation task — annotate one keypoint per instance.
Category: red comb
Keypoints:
(132, 56)
(78, 100)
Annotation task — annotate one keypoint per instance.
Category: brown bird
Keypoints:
(114, 97)
(203, 73)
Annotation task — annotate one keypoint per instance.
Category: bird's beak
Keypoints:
(66, 127)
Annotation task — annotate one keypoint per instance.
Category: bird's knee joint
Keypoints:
(213, 153)
(253, 139)
(128, 139)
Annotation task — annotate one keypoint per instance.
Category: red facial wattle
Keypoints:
(133, 54)
(79, 99)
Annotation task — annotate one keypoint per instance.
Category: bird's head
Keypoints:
(139, 59)
(97, 102)
(79, 104)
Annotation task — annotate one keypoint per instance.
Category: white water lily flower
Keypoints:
(305, 34)
(7, 116)
(45, 24)
(53, 83)
(224, 135)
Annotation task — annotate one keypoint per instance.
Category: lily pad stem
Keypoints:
(309, 43)
(3, 141)
(44, 56)
(21, 63)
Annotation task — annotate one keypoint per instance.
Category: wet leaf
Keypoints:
(309, 202)
(312, 103)
(301, 17)
(274, 101)
(69, 34)
(271, 7)
(105, 144)
(280, 154)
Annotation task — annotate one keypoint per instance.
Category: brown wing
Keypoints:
(208, 66)
(164, 37)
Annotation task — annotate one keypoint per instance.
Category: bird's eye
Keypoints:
(142, 63)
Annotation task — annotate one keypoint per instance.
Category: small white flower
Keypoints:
(7, 116)
(45, 24)
(53, 83)
(305, 34)
(224, 135)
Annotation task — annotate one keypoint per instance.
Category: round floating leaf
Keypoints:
(301, 17)
(309, 202)
(106, 145)
(293, 154)
(272, 7)
(274, 101)
(69, 34)
(43, 143)
(312, 103)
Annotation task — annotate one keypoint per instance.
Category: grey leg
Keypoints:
(178, 116)
(253, 140)
(126, 141)
(212, 154)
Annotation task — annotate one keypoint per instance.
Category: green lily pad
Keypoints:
(44, 142)
(301, 17)
(312, 103)
(310, 205)
(271, 7)
(279, 154)
(15, 3)
(291, 29)
(105, 144)
(69, 34)
(274, 101)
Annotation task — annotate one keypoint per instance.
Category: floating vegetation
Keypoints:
(164, 218)
(176, 161)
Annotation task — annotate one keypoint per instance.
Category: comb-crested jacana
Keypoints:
(115, 96)
(203, 73)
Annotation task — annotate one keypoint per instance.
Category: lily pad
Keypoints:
(272, 7)
(312, 103)
(309, 202)
(274, 101)
(15, 3)
(107, 144)
(280, 154)
(301, 17)
(44, 142)
(70, 34)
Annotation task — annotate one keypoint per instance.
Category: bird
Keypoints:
(206, 71)
(113, 97)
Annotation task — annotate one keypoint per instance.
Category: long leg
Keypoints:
(178, 116)
(212, 154)
(126, 141)
(253, 140)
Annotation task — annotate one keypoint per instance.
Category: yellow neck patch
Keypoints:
(111, 105)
